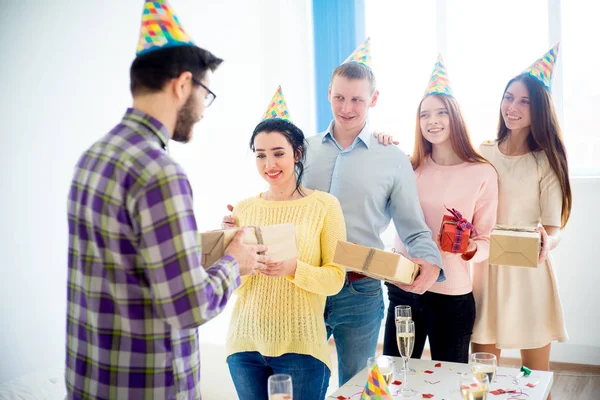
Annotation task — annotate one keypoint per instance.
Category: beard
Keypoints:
(186, 119)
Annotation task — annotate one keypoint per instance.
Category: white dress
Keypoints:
(519, 307)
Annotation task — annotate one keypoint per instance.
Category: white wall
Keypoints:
(64, 83)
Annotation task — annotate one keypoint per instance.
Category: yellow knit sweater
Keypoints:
(279, 315)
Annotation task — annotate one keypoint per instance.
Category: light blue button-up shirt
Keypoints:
(374, 184)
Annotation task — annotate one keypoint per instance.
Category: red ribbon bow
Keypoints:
(461, 223)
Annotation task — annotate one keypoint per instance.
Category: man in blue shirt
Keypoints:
(374, 184)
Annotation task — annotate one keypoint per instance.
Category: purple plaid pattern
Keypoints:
(461, 225)
(136, 290)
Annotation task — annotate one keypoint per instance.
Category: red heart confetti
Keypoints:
(531, 385)
(497, 392)
(427, 371)
(438, 365)
(474, 385)
(342, 398)
(427, 395)
(397, 382)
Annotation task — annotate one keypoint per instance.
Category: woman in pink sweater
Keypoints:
(449, 173)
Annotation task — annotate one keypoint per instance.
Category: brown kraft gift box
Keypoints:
(517, 246)
(377, 264)
(280, 240)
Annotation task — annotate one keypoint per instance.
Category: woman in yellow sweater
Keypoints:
(278, 324)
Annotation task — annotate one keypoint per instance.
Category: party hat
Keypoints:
(277, 108)
(160, 28)
(542, 69)
(439, 83)
(362, 54)
(376, 388)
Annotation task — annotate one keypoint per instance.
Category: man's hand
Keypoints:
(385, 139)
(228, 221)
(428, 275)
(281, 268)
(247, 255)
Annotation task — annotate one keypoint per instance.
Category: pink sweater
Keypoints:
(472, 189)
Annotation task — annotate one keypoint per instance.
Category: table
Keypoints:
(443, 382)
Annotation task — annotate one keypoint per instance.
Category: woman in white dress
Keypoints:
(519, 307)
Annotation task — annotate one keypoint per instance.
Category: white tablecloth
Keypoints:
(443, 382)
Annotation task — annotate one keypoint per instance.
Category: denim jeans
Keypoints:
(354, 317)
(250, 372)
(447, 320)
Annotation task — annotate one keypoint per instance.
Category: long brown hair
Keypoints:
(459, 136)
(544, 134)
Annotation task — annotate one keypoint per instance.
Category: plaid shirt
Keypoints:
(136, 288)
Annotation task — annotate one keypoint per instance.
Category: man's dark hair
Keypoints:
(151, 71)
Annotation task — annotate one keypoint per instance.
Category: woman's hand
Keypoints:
(281, 268)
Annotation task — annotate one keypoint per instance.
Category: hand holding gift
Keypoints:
(281, 268)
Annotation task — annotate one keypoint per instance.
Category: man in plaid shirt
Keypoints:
(136, 287)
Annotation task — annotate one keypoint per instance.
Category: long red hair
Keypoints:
(459, 136)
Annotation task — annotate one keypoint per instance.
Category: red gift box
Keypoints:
(455, 233)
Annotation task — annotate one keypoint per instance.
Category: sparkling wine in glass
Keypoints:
(474, 388)
(405, 335)
(280, 387)
(484, 364)
(403, 313)
(385, 365)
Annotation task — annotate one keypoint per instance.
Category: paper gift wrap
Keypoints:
(375, 263)
(515, 245)
(448, 236)
(279, 239)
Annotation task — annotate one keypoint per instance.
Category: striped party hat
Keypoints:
(160, 28)
(439, 83)
(376, 388)
(277, 108)
(362, 54)
(542, 69)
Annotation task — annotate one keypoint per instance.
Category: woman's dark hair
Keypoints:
(150, 72)
(295, 138)
(544, 135)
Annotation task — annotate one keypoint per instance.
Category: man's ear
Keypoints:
(374, 99)
(181, 86)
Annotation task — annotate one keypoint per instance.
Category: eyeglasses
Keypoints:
(210, 97)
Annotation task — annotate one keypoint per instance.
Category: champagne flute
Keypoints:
(484, 364)
(280, 387)
(405, 335)
(474, 388)
(386, 366)
(403, 313)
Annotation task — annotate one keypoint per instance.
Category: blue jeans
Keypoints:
(250, 372)
(354, 317)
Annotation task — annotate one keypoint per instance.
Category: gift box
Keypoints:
(455, 232)
(280, 240)
(375, 263)
(517, 246)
